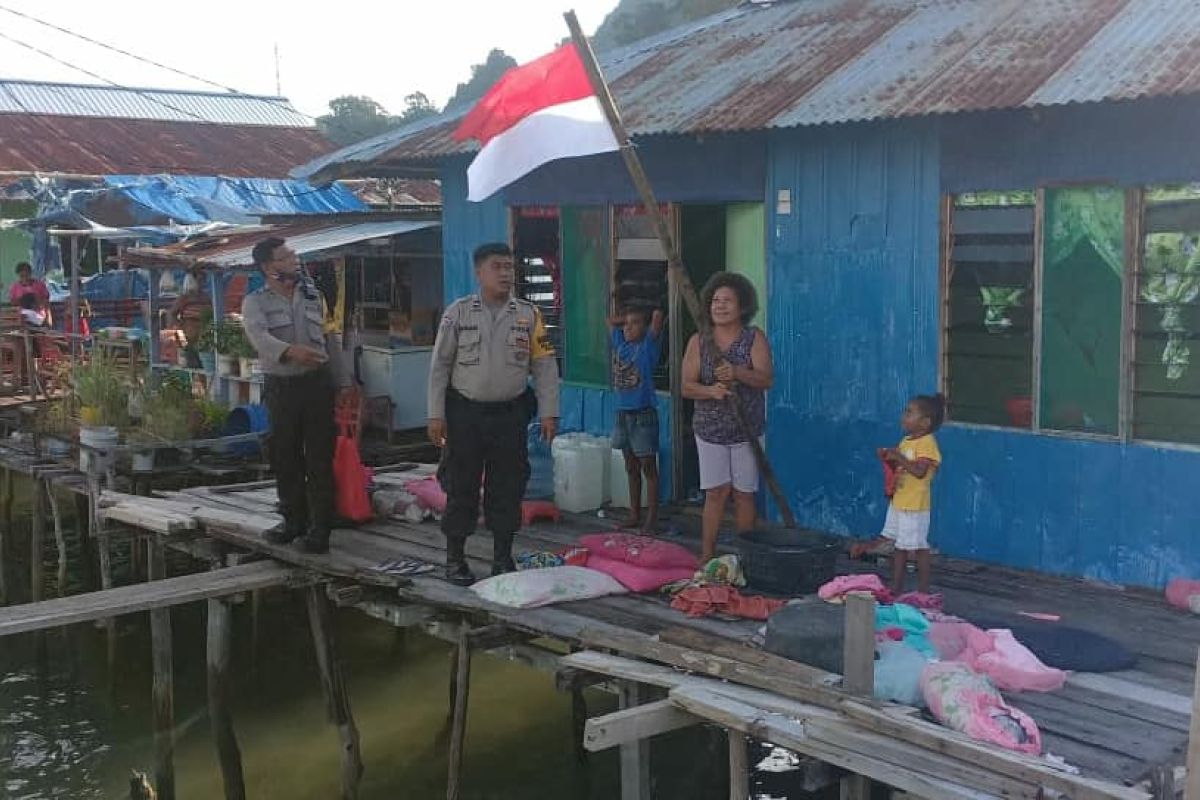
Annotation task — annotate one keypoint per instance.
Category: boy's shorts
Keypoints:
(908, 529)
(637, 431)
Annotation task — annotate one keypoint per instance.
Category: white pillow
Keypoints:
(540, 587)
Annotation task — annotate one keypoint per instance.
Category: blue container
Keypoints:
(246, 419)
(208, 361)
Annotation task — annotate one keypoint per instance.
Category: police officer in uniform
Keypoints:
(488, 345)
(304, 366)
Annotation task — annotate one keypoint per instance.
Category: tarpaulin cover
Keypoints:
(194, 199)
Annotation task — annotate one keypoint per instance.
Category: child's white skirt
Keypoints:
(908, 529)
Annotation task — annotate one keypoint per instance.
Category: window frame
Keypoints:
(1134, 246)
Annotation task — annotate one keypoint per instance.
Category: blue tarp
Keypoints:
(188, 199)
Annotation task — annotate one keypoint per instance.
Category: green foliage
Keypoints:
(99, 385)
(229, 339)
(632, 20)
(210, 417)
(417, 106)
(483, 76)
(167, 415)
(353, 118)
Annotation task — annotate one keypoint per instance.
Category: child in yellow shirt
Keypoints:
(916, 460)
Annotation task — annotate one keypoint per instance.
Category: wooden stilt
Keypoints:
(5, 537)
(60, 539)
(858, 666)
(1192, 785)
(37, 541)
(635, 756)
(163, 691)
(458, 731)
(338, 701)
(100, 536)
(739, 766)
(255, 612)
(220, 646)
(87, 546)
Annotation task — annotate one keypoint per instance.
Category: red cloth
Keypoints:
(700, 601)
(34, 287)
(350, 481)
(889, 475)
(925, 602)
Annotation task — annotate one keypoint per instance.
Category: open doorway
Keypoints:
(536, 249)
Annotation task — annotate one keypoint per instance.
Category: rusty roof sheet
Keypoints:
(812, 62)
(166, 105)
(105, 146)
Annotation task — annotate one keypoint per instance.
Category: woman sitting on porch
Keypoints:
(739, 364)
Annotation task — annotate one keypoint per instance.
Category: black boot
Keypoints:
(316, 541)
(283, 533)
(502, 560)
(457, 571)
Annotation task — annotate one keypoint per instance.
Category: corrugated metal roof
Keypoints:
(813, 62)
(164, 105)
(233, 249)
(91, 146)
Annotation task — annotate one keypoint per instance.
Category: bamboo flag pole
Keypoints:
(687, 289)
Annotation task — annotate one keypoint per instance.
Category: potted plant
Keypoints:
(56, 426)
(206, 346)
(103, 398)
(167, 419)
(247, 357)
(208, 418)
(228, 338)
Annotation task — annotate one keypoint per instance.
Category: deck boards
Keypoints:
(1097, 724)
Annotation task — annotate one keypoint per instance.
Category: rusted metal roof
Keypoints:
(166, 105)
(814, 62)
(106, 146)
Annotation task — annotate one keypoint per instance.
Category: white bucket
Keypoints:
(97, 448)
(143, 461)
(619, 479)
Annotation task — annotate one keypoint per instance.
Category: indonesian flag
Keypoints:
(537, 113)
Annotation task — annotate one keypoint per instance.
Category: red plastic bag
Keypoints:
(350, 481)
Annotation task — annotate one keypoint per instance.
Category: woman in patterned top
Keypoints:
(741, 365)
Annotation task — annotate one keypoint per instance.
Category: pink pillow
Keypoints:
(638, 578)
(641, 551)
(428, 493)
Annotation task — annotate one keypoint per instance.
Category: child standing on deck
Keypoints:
(916, 461)
(636, 351)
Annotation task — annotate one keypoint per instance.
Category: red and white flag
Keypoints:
(537, 113)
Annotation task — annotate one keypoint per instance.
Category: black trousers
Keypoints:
(301, 448)
(485, 444)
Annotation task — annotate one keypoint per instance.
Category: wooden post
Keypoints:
(687, 289)
(1192, 787)
(220, 646)
(60, 539)
(458, 730)
(152, 323)
(858, 667)
(37, 540)
(100, 536)
(337, 701)
(5, 536)
(739, 766)
(635, 756)
(163, 692)
(73, 299)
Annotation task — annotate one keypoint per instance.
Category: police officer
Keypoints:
(480, 405)
(304, 366)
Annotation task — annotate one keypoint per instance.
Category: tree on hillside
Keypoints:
(636, 19)
(353, 118)
(417, 106)
(482, 77)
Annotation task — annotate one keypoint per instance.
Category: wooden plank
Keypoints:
(1192, 786)
(143, 597)
(634, 724)
(1107, 684)
(858, 655)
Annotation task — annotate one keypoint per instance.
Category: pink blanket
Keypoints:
(997, 654)
(842, 585)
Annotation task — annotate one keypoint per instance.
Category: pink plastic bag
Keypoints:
(996, 654)
(970, 704)
(642, 551)
(429, 494)
(1180, 590)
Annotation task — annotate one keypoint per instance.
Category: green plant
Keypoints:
(207, 340)
(168, 409)
(56, 419)
(98, 385)
(210, 417)
(230, 339)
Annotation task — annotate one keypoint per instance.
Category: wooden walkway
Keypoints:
(1121, 729)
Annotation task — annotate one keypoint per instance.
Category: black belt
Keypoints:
(487, 406)
(303, 376)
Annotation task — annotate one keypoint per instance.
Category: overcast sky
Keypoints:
(384, 50)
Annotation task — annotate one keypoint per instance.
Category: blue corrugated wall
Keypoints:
(465, 226)
(853, 277)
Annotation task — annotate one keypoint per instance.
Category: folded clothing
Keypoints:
(723, 570)
(538, 560)
(835, 590)
(911, 622)
(700, 601)
(644, 551)
(968, 703)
